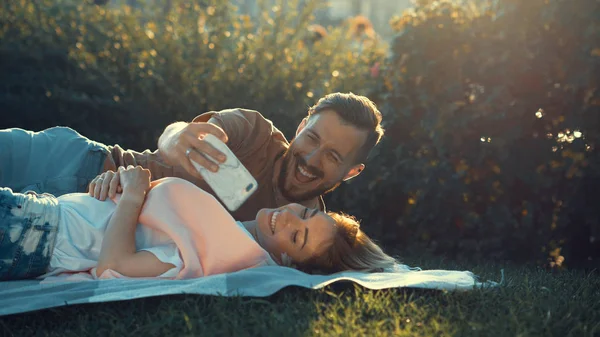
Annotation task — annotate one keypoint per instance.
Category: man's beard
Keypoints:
(285, 165)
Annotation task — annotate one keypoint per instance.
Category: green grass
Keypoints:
(533, 302)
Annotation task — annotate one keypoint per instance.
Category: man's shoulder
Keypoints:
(234, 115)
(248, 128)
(253, 118)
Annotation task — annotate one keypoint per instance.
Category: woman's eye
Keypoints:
(295, 236)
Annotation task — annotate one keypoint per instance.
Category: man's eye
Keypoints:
(295, 236)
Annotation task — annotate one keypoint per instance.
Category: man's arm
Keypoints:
(243, 131)
(171, 144)
(182, 142)
(167, 137)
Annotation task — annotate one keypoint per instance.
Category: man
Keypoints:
(331, 145)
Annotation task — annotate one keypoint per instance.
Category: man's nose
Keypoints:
(313, 158)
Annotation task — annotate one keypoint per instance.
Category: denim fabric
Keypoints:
(28, 228)
(57, 160)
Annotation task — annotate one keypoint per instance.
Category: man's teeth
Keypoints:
(273, 220)
(305, 172)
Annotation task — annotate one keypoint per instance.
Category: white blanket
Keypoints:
(24, 296)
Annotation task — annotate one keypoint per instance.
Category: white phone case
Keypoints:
(232, 183)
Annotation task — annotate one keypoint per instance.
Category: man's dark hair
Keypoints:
(358, 111)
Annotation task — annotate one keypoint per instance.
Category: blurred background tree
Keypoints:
(492, 111)
(491, 106)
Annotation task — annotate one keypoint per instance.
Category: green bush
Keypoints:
(492, 131)
(120, 75)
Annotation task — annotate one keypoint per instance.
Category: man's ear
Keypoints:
(302, 125)
(354, 171)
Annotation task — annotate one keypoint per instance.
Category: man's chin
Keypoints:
(294, 190)
(301, 194)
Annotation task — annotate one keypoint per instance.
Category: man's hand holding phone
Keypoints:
(233, 184)
(185, 142)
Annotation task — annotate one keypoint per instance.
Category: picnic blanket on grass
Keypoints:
(24, 296)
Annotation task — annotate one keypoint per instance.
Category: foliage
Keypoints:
(121, 74)
(492, 125)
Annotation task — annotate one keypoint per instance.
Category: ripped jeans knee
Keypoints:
(28, 228)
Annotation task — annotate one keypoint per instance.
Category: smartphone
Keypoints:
(232, 183)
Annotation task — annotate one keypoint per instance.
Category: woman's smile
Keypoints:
(274, 215)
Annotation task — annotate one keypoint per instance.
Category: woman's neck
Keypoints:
(251, 227)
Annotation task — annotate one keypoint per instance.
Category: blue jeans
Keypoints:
(28, 227)
(57, 160)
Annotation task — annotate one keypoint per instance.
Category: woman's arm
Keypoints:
(118, 250)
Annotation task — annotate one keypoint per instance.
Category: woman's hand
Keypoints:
(109, 183)
(134, 180)
(118, 250)
(105, 185)
(182, 142)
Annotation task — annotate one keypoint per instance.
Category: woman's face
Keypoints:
(295, 230)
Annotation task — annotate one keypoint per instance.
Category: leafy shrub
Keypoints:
(120, 75)
(492, 131)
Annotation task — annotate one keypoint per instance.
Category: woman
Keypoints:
(185, 233)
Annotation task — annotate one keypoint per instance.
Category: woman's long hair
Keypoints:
(351, 249)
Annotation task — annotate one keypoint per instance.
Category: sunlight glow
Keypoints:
(567, 136)
(539, 113)
(150, 34)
